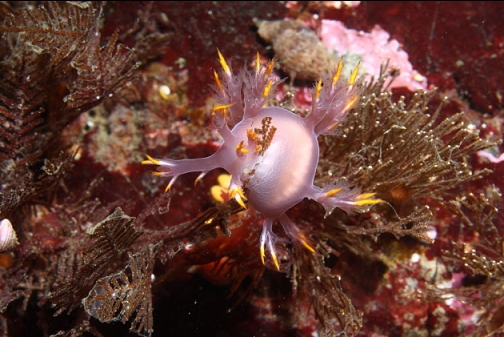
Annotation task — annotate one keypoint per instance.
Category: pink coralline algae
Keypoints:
(272, 153)
(373, 49)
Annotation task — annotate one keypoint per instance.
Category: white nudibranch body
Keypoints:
(283, 173)
(271, 153)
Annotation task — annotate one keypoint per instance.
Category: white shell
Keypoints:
(8, 237)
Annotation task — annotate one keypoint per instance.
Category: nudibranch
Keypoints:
(272, 153)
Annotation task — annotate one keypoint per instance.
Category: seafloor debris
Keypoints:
(117, 297)
(298, 49)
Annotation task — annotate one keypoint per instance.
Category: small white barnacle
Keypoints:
(165, 92)
(8, 237)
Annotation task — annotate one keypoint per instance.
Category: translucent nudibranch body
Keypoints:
(271, 153)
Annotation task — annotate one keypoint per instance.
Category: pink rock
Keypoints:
(372, 49)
